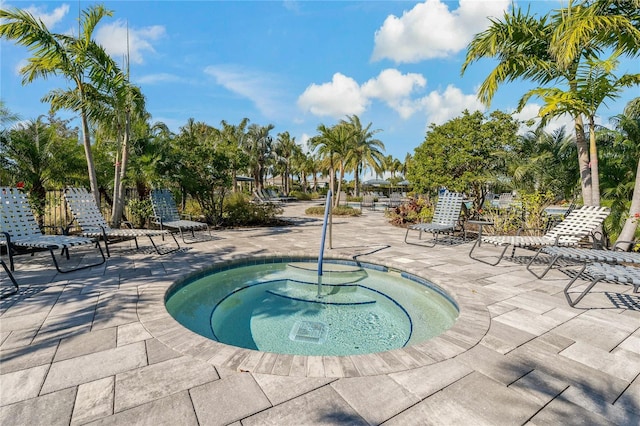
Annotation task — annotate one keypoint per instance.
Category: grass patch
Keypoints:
(337, 211)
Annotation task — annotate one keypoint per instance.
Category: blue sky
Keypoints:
(293, 64)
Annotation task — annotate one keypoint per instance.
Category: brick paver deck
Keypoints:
(97, 346)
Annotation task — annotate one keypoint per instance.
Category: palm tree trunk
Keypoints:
(234, 180)
(583, 162)
(93, 179)
(629, 229)
(357, 180)
(340, 184)
(116, 189)
(118, 203)
(593, 157)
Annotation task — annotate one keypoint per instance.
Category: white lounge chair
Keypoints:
(576, 226)
(368, 201)
(93, 225)
(395, 199)
(21, 231)
(166, 216)
(576, 254)
(446, 219)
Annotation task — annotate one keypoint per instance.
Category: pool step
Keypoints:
(331, 295)
(332, 273)
(326, 267)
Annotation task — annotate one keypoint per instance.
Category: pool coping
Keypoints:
(471, 326)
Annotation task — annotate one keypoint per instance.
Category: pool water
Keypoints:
(275, 307)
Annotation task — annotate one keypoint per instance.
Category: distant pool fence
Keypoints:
(57, 215)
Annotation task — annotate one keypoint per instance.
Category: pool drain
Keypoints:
(309, 331)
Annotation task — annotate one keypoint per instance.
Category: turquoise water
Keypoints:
(275, 308)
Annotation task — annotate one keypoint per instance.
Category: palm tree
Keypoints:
(60, 54)
(550, 49)
(628, 125)
(39, 153)
(366, 151)
(594, 83)
(544, 162)
(258, 146)
(233, 136)
(114, 104)
(334, 144)
(285, 148)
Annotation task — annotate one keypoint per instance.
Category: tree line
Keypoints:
(571, 54)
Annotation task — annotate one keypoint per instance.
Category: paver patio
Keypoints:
(97, 346)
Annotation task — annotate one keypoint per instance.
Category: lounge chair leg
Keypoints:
(547, 269)
(419, 238)
(11, 264)
(11, 277)
(55, 261)
(595, 280)
(167, 252)
(477, 243)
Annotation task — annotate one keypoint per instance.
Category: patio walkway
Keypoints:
(97, 346)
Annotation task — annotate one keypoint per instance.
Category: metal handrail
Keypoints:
(327, 209)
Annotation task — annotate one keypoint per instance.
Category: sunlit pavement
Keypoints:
(97, 345)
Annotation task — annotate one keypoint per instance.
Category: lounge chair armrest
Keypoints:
(127, 223)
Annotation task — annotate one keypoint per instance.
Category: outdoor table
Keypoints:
(480, 224)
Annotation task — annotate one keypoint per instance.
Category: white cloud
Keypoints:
(257, 87)
(443, 106)
(21, 64)
(291, 5)
(49, 19)
(342, 96)
(159, 78)
(430, 30)
(113, 37)
(394, 88)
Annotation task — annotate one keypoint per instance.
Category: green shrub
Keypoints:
(239, 211)
(141, 210)
(416, 210)
(301, 196)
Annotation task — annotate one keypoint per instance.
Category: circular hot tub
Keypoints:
(286, 307)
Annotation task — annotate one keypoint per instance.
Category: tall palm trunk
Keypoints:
(583, 162)
(593, 161)
(93, 179)
(118, 202)
(629, 229)
(339, 189)
(357, 179)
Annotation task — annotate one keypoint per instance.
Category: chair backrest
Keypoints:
(579, 223)
(505, 199)
(16, 216)
(265, 194)
(164, 206)
(343, 198)
(447, 211)
(85, 210)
